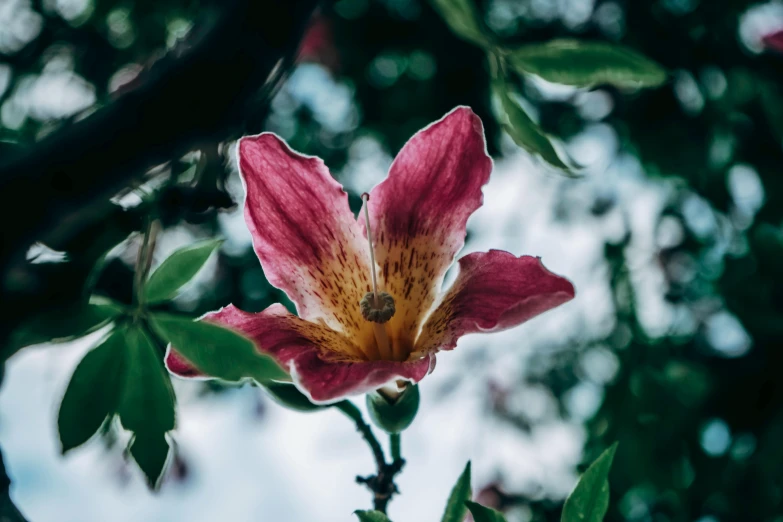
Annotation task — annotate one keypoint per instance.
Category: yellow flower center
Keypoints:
(378, 307)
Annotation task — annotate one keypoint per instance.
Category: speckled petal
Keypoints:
(494, 291)
(305, 235)
(419, 213)
(307, 351)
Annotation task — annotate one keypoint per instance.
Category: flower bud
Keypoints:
(394, 415)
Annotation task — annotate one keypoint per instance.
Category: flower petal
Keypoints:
(774, 41)
(304, 233)
(494, 291)
(419, 213)
(326, 381)
(307, 350)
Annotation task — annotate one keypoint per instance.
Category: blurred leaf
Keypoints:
(524, 131)
(772, 103)
(147, 404)
(585, 64)
(108, 307)
(461, 493)
(484, 514)
(463, 19)
(179, 268)
(289, 396)
(589, 500)
(93, 392)
(371, 516)
(60, 325)
(217, 351)
(150, 451)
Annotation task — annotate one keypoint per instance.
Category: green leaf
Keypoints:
(94, 391)
(217, 351)
(463, 19)
(150, 451)
(60, 325)
(589, 501)
(371, 516)
(147, 404)
(179, 268)
(585, 64)
(460, 493)
(289, 396)
(524, 131)
(484, 514)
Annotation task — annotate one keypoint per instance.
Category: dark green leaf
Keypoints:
(524, 131)
(484, 514)
(150, 451)
(147, 404)
(94, 391)
(217, 351)
(585, 64)
(460, 493)
(60, 325)
(772, 103)
(179, 268)
(589, 501)
(463, 19)
(289, 396)
(371, 516)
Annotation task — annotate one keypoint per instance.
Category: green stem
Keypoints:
(144, 262)
(394, 440)
(350, 410)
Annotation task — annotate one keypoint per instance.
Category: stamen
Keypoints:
(366, 200)
(377, 307)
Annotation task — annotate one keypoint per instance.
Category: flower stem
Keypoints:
(382, 484)
(350, 409)
(144, 261)
(394, 441)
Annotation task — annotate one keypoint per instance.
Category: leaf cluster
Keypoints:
(583, 64)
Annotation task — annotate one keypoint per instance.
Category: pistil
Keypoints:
(377, 307)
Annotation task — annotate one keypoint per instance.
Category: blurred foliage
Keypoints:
(698, 408)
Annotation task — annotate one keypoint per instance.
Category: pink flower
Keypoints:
(312, 247)
(774, 41)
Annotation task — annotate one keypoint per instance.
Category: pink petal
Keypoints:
(329, 381)
(419, 213)
(774, 41)
(494, 291)
(308, 351)
(304, 233)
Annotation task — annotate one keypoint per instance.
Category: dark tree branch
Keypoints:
(198, 93)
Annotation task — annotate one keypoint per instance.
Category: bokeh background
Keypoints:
(671, 234)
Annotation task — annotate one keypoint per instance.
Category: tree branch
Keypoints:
(199, 92)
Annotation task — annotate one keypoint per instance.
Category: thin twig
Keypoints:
(144, 261)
